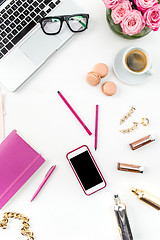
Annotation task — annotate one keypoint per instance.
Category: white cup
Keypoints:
(148, 67)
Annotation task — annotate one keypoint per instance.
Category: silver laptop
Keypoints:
(24, 47)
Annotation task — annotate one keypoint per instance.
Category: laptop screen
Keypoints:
(2, 1)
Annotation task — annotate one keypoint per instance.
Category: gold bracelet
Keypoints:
(25, 220)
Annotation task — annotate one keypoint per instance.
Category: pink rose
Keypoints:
(119, 12)
(143, 5)
(152, 17)
(111, 3)
(132, 22)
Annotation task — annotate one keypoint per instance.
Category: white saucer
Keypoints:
(123, 74)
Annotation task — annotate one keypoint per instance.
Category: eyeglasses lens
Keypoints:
(77, 23)
(51, 25)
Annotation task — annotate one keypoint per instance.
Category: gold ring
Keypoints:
(145, 121)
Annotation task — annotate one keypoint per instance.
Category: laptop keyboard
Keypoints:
(18, 18)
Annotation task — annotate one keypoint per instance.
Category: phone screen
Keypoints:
(86, 170)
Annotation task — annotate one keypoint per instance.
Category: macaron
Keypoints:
(93, 78)
(101, 69)
(109, 88)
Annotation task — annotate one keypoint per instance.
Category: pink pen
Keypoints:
(74, 113)
(96, 128)
(44, 181)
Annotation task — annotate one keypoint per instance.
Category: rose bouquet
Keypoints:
(133, 17)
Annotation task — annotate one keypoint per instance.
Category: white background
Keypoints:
(62, 210)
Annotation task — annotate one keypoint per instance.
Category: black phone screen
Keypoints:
(86, 170)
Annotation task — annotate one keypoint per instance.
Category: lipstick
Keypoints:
(141, 142)
(130, 168)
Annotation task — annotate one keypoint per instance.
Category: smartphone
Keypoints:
(86, 170)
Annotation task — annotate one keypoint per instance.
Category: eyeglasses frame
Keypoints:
(65, 18)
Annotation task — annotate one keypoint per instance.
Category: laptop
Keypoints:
(23, 45)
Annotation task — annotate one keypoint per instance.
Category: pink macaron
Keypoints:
(109, 88)
(101, 69)
(93, 78)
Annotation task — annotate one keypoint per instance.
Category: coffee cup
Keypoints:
(137, 60)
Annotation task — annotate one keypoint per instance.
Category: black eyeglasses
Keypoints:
(75, 22)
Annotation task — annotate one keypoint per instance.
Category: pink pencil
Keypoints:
(43, 182)
(96, 128)
(74, 113)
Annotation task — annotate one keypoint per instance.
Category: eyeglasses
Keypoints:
(75, 22)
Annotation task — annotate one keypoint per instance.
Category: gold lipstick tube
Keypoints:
(141, 142)
(130, 168)
(147, 198)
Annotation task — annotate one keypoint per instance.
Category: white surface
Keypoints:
(61, 210)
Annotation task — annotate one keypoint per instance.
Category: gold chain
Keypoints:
(25, 220)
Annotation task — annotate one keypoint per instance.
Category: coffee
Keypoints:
(136, 60)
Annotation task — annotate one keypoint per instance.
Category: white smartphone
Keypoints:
(86, 170)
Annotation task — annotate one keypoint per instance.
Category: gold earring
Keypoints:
(131, 129)
(144, 121)
(125, 117)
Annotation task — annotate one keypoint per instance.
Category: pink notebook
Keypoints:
(18, 162)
